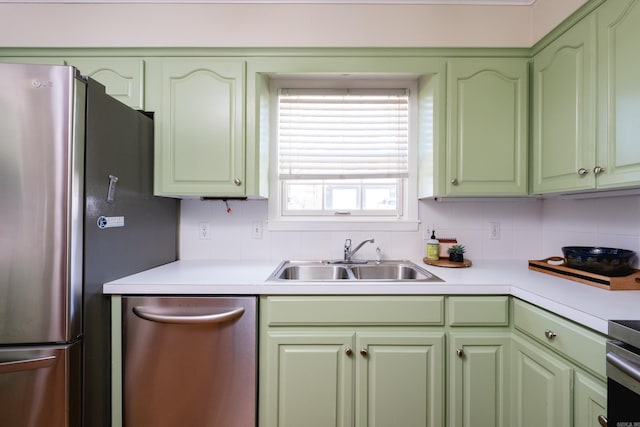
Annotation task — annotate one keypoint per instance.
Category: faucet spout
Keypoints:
(349, 253)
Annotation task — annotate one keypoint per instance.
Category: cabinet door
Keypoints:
(479, 379)
(199, 105)
(541, 387)
(399, 379)
(590, 401)
(123, 78)
(307, 379)
(564, 112)
(619, 93)
(487, 115)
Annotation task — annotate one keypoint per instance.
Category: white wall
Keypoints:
(467, 221)
(533, 229)
(277, 25)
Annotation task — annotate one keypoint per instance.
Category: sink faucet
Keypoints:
(348, 252)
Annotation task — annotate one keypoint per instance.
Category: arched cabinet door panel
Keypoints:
(487, 131)
(199, 123)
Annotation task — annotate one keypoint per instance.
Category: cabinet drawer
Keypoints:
(353, 310)
(478, 311)
(576, 342)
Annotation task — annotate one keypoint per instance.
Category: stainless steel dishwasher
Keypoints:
(189, 361)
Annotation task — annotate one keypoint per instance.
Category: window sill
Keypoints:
(333, 225)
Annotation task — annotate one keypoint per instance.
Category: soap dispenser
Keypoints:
(433, 247)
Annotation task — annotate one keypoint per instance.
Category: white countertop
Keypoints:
(587, 305)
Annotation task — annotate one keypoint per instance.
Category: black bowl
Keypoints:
(606, 261)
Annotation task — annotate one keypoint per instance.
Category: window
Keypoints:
(342, 153)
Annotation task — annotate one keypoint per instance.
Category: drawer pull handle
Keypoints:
(27, 364)
(602, 420)
(549, 334)
(348, 351)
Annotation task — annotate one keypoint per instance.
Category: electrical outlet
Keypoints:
(256, 230)
(494, 230)
(203, 231)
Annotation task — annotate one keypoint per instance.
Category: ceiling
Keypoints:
(446, 2)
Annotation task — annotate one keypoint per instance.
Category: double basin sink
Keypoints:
(339, 271)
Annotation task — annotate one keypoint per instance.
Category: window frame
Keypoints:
(407, 221)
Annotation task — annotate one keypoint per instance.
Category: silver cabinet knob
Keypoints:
(237, 181)
(602, 420)
(454, 181)
(598, 170)
(549, 334)
(583, 171)
(348, 351)
(364, 352)
(459, 352)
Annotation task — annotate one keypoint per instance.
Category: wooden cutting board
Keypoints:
(556, 266)
(444, 262)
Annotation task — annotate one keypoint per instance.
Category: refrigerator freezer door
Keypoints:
(41, 194)
(190, 361)
(36, 387)
(119, 145)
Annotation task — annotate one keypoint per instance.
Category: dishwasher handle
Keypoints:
(626, 366)
(156, 315)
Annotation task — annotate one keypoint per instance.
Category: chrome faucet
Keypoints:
(348, 252)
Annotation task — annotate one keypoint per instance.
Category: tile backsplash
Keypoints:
(528, 229)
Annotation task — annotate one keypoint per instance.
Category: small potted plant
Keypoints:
(456, 253)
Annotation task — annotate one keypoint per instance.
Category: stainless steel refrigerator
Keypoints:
(76, 210)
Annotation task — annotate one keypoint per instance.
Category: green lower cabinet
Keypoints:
(479, 367)
(328, 378)
(307, 380)
(399, 379)
(541, 387)
(590, 400)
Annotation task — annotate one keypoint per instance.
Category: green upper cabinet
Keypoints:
(563, 152)
(618, 94)
(123, 78)
(199, 123)
(487, 132)
(585, 127)
(33, 60)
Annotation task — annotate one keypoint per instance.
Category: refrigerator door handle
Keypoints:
(27, 364)
(156, 315)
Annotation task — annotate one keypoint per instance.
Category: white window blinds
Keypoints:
(343, 133)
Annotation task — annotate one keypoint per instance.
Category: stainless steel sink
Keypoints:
(370, 271)
(309, 272)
